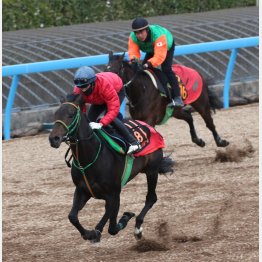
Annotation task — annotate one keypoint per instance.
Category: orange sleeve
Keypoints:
(160, 51)
(133, 49)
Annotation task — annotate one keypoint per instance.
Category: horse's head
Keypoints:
(123, 68)
(115, 63)
(67, 119)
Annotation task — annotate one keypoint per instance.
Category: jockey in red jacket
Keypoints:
(104, 91)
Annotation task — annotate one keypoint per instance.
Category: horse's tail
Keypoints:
(214, 101)
(166, 165)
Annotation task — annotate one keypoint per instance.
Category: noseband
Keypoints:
(73, 127)
(120, 73)
(71, 132)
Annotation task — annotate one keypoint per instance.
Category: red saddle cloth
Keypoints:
(192, 81)
(156, 141)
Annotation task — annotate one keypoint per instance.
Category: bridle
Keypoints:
(74, 125)
(126, 85)
(71, 140)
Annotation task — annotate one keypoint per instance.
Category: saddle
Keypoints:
(189, 80)
(140, 131)
(160, 81)
(150, 140)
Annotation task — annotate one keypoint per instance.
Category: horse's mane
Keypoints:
(126, 63)
(71, 97)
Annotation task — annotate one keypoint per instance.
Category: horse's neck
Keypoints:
(87, 142)
(138, 84)
(128, 73)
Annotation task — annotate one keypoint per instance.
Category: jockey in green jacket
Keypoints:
(158, 44)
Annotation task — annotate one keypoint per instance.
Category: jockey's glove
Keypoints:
(140, 67)
(95, 125)
(147, 65)
(134, 60)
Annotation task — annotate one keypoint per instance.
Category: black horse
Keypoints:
(146, 103)
(97, 170)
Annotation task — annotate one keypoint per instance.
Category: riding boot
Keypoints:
(175, 90)
(176, 102)
(134, 145)
(176, 97)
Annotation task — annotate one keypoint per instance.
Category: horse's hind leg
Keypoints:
(80, 199)
(186, 115)
(206, 115)
(151, 199)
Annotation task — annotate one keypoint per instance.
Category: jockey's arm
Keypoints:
(160, 51)
(113, 105)
(133, 50)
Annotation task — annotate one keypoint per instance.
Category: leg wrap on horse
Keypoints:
(124, 220)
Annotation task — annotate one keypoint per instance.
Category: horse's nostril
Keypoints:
(56, 138)
(55, 141)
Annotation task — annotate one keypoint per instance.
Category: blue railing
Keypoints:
(17, 70)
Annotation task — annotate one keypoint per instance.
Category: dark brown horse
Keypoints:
(100, 172)
(146, 103)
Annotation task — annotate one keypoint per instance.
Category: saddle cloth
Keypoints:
(155, 141)
(189, 81)
(149, 139)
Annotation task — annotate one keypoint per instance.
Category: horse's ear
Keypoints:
(110, 54)
(62, 99)
(79, 100)
(123, 56)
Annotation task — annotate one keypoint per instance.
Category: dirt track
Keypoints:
(206, 211)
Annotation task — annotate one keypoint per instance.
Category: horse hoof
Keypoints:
(129, 215)
(93, 236)
(138, 233)
(93, 241)
(222, 143)
(202, 143)
(199, 142)
(96, 236)
(86, 235)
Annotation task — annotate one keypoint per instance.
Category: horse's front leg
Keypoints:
(186, 115)
(151, 199)
(94, 236)
(99, 228)
(112, 207)
(79, 201)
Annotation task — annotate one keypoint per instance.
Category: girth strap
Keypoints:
(127, 170)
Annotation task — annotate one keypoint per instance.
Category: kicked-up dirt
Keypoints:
(206, 211)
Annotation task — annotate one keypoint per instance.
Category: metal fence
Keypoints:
(15, 71)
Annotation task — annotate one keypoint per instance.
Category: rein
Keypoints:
(120, 73)
(71, 133)
(75, 123)
(131, 80)
(127, 84)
